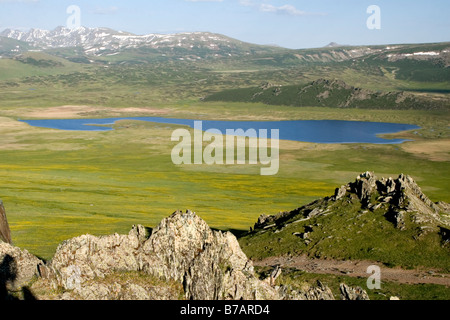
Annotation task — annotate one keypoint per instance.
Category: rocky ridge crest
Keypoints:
(397, 197)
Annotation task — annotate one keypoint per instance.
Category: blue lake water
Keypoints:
(315, 131)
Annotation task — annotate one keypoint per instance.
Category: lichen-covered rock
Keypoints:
(87, 257)
(340, 193)
(174, 244)
(17, 267)
(183, 257)
(349, 293)
(319, 292)
(210, 264)
(5, 232)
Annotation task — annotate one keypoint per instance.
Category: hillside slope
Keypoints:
(386, 220)
(328, 93)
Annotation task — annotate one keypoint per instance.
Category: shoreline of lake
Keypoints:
(313, 131)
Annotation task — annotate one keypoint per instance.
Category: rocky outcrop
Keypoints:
(349, 293)
(210, 264)
(330, 93)
(85, 258)
(118, 286)
(401, 199)
(183, 258)
(363, 187)
(313, 293)
(17, 267)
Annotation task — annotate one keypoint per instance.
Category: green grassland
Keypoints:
(57, 184)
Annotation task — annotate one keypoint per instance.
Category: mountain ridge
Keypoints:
(184, 258)
(99, 41)
(103, 41)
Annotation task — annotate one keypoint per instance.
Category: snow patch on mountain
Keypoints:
(96, 41)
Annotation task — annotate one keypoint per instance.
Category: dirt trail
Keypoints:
(356, 269)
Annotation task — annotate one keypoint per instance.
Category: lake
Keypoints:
(315, 131)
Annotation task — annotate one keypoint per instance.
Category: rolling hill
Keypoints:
(386, 220)
(327, 93)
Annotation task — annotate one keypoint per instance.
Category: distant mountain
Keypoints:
(411, 62)
(334, 45)
(104, 41)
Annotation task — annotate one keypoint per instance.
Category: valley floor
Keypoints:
(57, 185)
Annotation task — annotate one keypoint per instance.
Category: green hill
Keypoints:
(11, 47)
(327, 93)
(386, 220)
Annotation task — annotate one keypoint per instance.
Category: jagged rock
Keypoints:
(319, 292)
(264, 221)
(349, 293)
(274, 275)
(397, 218)
(340, 193)
(444, 207)
(95, 291)
(117, 286)
(128, 291)
(390, 185)
(316, 212)
(84, 258)
(210, 265)
(174, 244)
(17, 267)
(416, 199)
(364, 186)
(445, 234)
(400, 200)
(396, 195)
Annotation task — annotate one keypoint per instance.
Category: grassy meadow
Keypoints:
(60, 184)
